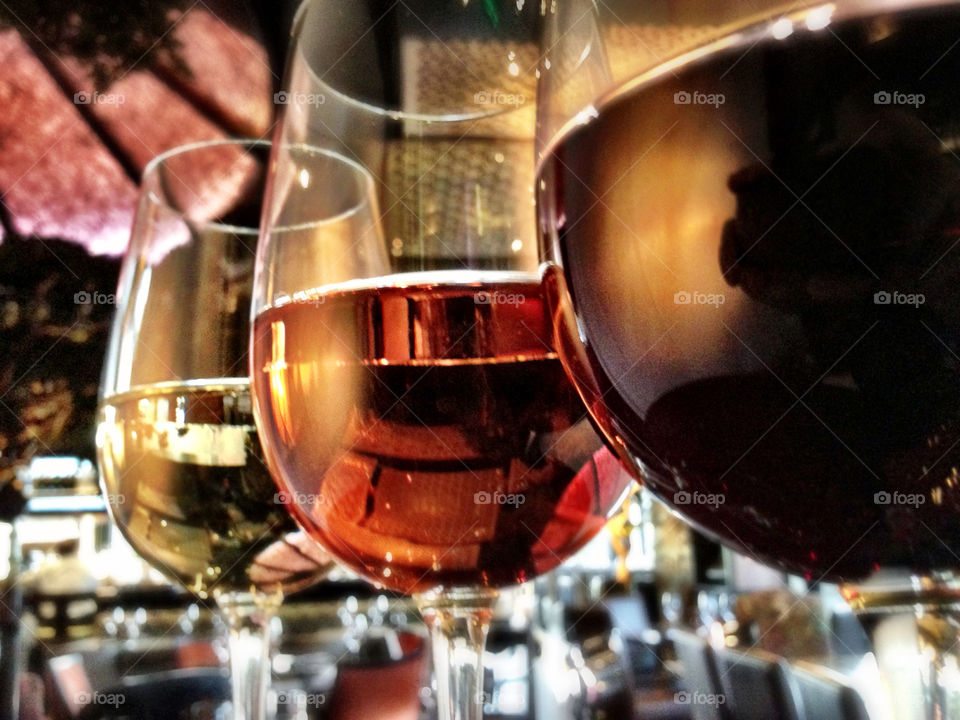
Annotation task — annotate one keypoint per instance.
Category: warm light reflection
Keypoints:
(276, 369)
(820, 17)
(782, 28)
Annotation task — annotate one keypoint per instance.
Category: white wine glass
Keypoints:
(180, 461)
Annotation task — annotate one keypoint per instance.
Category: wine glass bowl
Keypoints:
(773, 345)
(750, 254)
(188, 487)
(401, 466)
(408, 394)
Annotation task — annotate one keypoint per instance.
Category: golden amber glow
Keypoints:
(277, 369)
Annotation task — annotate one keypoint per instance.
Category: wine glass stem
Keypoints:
(458, 623)
(249, 622)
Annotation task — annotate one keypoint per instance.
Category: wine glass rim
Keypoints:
(209, 384)
(747, 31)
(247, 230)
(394, 114)
(158, 160)
(359, 170)
(398, 115)
(728, 36)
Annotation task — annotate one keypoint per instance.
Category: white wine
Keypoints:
(186, 484)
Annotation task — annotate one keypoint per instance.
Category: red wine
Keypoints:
(427, 435)
(187, 485)
(765, 308)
